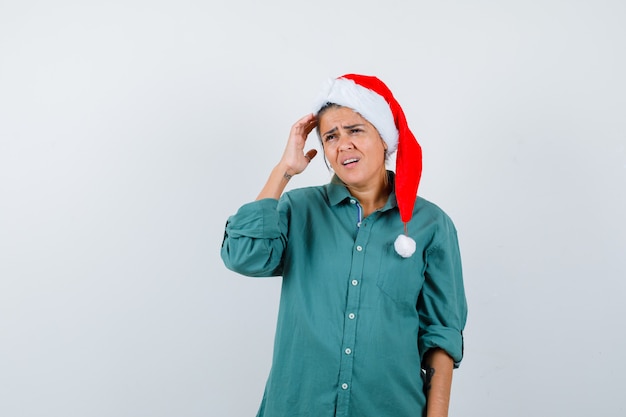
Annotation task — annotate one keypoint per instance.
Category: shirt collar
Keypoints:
(338, 193)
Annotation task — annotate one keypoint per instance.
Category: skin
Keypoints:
(356, 152)
(294, 159)
(439, 365)
(347, 136)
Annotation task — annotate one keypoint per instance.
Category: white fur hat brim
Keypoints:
(372, 106)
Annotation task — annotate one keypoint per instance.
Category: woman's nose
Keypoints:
(345, 143)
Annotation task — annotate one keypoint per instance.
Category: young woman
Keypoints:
(372, 305)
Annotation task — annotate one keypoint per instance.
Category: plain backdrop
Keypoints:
(130, 131)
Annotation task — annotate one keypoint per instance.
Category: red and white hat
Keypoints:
(373, 100)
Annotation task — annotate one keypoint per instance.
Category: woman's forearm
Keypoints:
(276, 183)
(294, 159)
(439, 366)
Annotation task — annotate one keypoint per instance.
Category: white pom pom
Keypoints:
(404, 245)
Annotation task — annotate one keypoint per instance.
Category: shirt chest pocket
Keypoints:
(401, 279)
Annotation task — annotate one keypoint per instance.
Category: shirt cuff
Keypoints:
(446, 338)
(258, 219)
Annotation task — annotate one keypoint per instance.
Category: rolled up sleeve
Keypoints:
(442, 304)
(253, 240)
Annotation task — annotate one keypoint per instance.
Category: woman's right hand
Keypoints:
(294, 159)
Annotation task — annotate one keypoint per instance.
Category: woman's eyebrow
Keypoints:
(353, 126)
(333, 130)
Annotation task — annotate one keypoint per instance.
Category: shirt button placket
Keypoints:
(350, 322)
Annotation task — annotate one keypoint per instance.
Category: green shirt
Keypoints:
(355, 318)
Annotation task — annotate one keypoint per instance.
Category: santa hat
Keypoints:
(373, 100)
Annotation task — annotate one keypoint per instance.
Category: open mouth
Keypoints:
(350, 162)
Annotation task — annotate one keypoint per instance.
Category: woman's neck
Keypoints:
(372, 198)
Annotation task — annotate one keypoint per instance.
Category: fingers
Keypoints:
(294, 159)
(305, 125)
(308, 119)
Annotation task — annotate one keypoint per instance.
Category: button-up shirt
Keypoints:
(355, 318)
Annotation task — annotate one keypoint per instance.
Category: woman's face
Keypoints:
(353, 147)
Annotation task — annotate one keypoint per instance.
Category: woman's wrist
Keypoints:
(285, 170)
(276, 183)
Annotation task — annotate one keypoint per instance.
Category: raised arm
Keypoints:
(256, 236)
(294, 159)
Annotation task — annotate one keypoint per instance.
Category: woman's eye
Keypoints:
(329, 137)
(355, 130)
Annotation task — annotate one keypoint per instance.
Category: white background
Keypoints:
(130, 130)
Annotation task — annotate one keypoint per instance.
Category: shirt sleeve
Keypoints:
(442, 304)
(254, 241)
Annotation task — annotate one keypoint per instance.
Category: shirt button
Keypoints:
(344, 386)
(348, 351)
(351, 316)
(359, 248)
(355, 282)
(358, 224)
(352, 201)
